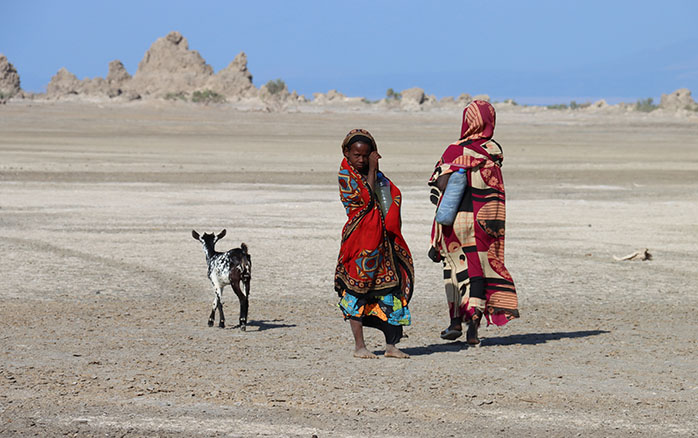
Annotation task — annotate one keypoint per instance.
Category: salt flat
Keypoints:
(104, 296)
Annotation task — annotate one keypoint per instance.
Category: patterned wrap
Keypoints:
(375, 272)
(472, 249)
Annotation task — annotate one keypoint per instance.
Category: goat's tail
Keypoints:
(243, 247)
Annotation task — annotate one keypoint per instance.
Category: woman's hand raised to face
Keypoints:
(373, 161)
(373, 168)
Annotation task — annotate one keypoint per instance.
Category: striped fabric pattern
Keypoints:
(472, 249)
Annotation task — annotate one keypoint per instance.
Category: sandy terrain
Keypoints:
(104, 298)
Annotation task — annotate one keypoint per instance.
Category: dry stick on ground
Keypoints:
(642, 254)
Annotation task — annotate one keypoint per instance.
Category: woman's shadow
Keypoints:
(523, 339)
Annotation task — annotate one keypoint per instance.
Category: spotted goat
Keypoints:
(226, 268)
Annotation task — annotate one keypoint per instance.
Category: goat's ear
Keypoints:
(220, 235)
(194, 234)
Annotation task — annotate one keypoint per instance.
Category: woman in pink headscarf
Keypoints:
(472, 249)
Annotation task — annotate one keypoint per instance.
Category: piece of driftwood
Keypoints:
(643, 254)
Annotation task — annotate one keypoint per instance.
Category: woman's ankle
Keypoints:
(456, 323)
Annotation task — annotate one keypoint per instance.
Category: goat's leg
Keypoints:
(217, 304)
(221, 322)
(246, 283)
(243, 304)
(214, 306)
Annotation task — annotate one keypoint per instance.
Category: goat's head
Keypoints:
(208, 240)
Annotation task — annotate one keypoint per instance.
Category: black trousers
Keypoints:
(392, 333)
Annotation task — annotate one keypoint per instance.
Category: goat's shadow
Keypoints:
(522, 339)
(265, 324)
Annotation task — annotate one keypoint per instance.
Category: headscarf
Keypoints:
(358, 134)
(479, 119)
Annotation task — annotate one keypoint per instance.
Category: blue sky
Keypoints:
(536, 52)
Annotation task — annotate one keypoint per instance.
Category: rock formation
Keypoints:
(464, 100)
(599, 104)
(170, 67)
(411, 99)
(413, 96)
(331, 96)
(118, 82)
(415, 99)
(63, 83)
(294, 97)
(234, 81)
(117, 75)
(9, 79)
(93, 87)
(679, 99)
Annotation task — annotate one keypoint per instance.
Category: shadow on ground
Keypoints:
(266, 324)
(539, 338)
(435, 348)
(522, 339)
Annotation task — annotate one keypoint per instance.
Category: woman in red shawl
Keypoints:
(375, 274)
(472, 249)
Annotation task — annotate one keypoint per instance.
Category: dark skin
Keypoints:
(364, 159)
(471, 335)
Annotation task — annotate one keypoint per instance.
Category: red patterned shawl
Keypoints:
(477, 235)
(374, 258)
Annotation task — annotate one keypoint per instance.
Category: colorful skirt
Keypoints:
(387, 308)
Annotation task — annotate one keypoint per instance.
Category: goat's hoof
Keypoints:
(210, 323)
(243, 327)
(221, 324)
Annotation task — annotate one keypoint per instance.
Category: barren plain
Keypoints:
(104, 296)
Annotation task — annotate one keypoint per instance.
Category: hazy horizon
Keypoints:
(536, 53)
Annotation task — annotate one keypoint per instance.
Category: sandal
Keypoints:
(451, 334)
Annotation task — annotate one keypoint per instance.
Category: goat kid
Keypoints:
(226, 268)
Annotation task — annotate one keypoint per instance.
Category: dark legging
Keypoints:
(392, 333)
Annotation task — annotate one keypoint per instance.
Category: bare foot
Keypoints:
(363, 353)
(393, 351)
